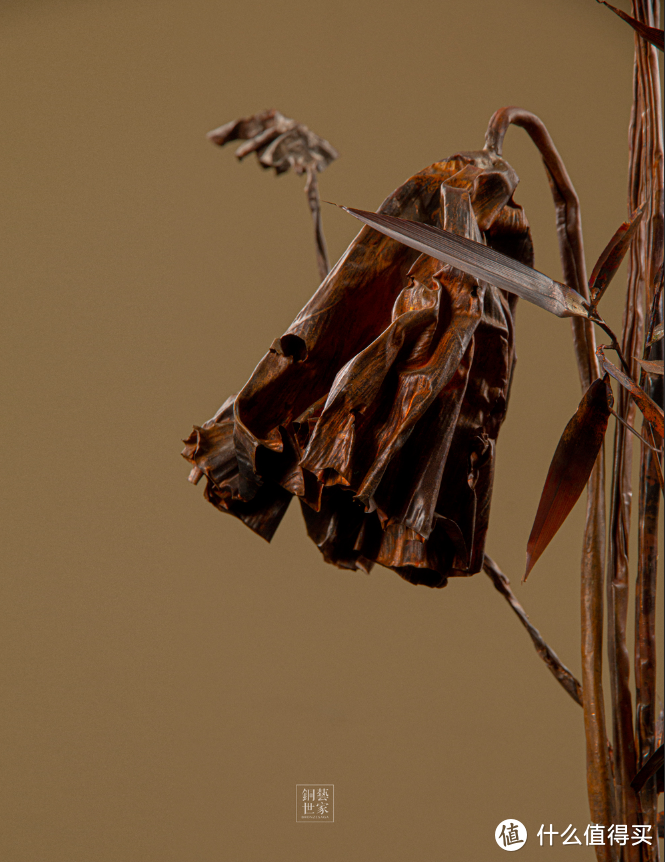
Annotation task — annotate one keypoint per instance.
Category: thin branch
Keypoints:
(633, 431)
(312, 192)
(553, 662)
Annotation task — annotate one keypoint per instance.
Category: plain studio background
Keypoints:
(167, 677)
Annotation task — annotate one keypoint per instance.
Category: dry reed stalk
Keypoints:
(314, 202)
(646, 184)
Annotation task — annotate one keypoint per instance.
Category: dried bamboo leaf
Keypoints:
(650, 410)
(571, 467)
(553, 662)
(651, 34)
(652, 366)
(479, 261)
(612, 256)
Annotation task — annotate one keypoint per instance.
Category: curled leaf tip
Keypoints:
(279, 142)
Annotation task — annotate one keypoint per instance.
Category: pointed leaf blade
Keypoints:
(651, 34)
(652, 366)
(610, 260)
(479, 261)
(571, 467)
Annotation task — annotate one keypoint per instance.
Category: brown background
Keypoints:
(167, 677)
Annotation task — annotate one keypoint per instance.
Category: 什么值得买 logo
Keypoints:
(510, 835)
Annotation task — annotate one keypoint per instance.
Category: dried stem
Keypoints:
(645, 183)
(617, 603)
(312, 192)
(597, 319)
(633, 431)
(646, 180)
(599, 778)
(553, 662)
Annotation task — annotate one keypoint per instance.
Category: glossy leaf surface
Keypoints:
(479, 261)
(379, 407)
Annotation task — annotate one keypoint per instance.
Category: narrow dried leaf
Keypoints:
(551, 659)
(651, 34)
(610, 260)
(653, 765)
(479, 261)
(571, 467)
(652, 366)
(650, 410)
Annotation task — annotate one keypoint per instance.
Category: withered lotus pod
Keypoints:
(380, 406)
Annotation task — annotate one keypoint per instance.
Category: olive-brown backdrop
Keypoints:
(167, 677)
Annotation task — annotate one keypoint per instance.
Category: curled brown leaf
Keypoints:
(278, 141)
(281, 143)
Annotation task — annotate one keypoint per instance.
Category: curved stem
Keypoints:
(568, 220)
(571, 249)
(312, 192)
